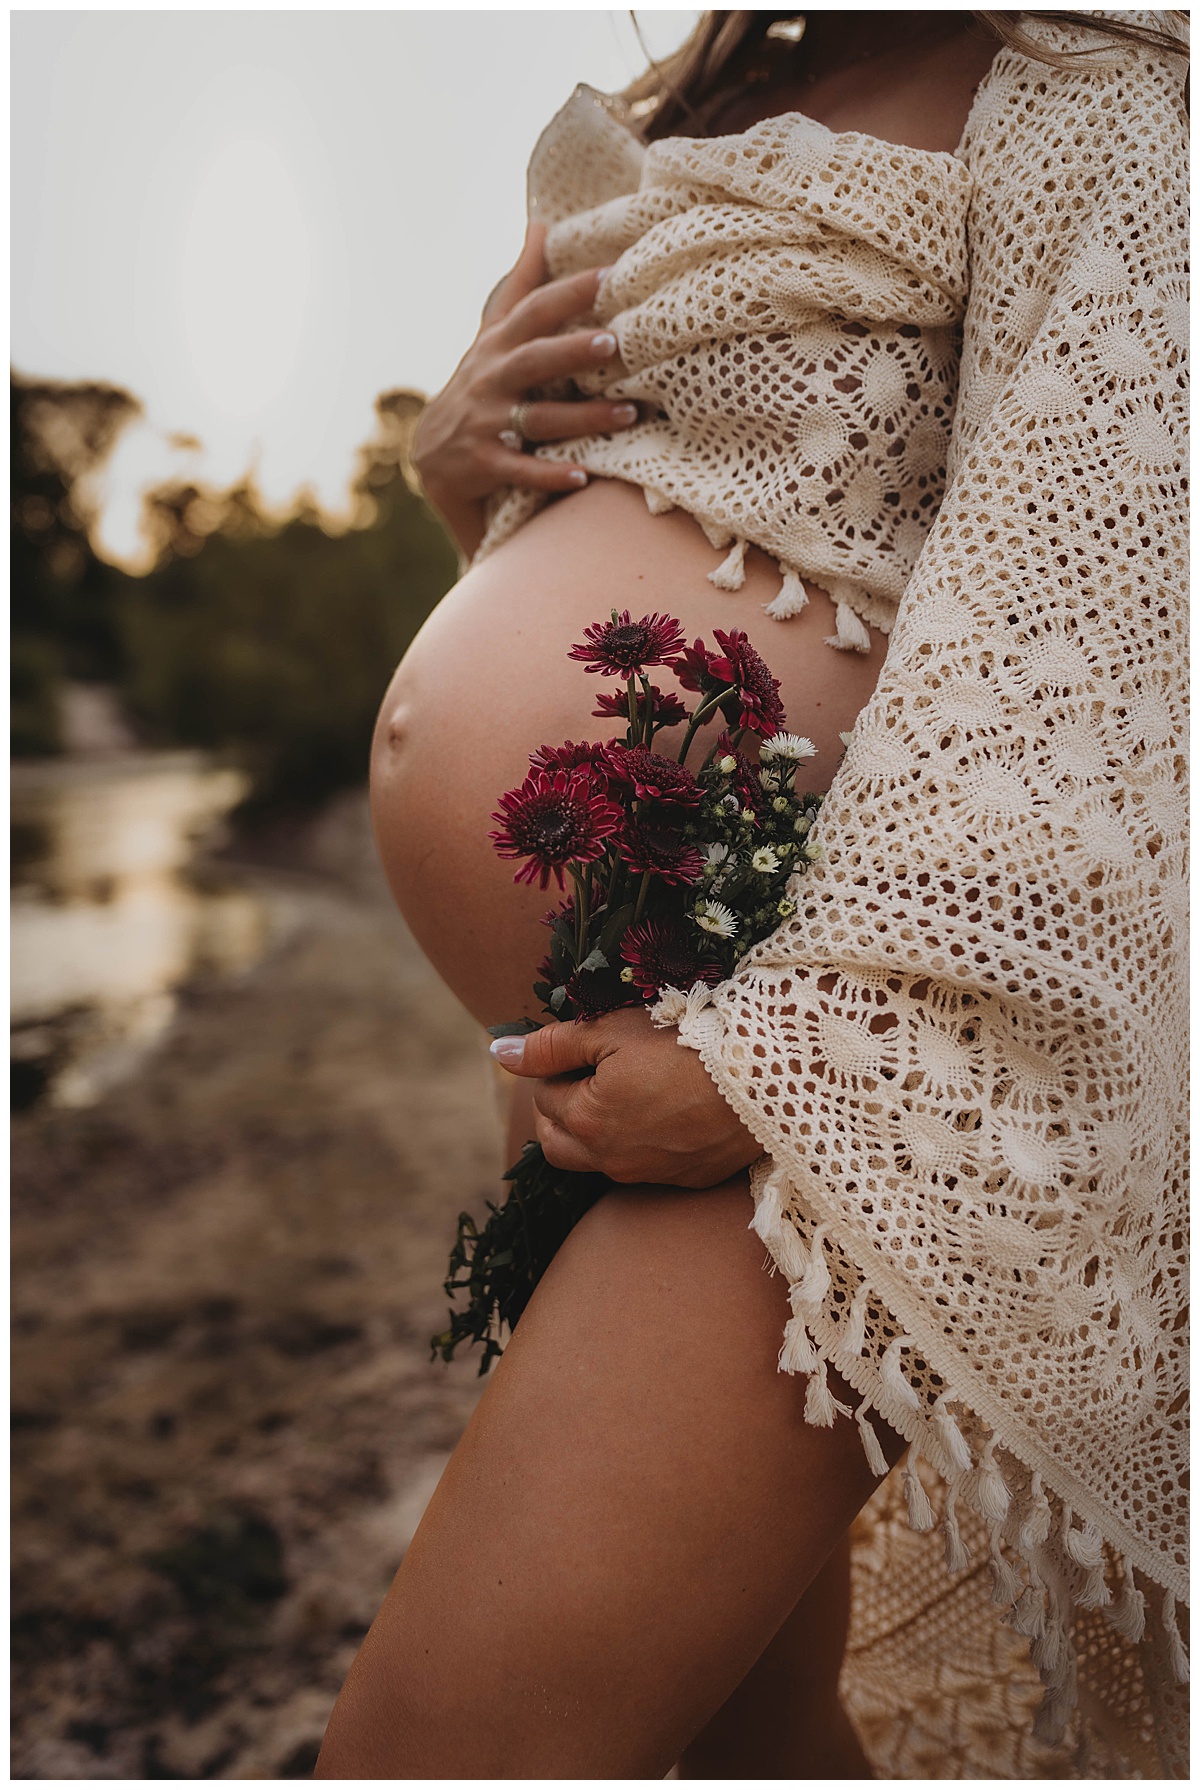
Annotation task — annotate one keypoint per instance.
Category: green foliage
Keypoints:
(278, 646)
(499, 1267)
(270, 644)
(62, 595)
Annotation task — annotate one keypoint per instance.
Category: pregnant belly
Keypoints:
(487, 681)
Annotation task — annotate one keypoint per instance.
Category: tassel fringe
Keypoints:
(856, 1321)
(820, 1406)
(1175, 1647)
(852, 635)
(1044, 1565)
(916, 1498)
(731, 573)
(876, 1459)
(950, 1436)
(958, 1556)
(791, 599)
(1127, 1612)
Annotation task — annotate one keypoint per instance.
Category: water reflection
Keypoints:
(112, 913)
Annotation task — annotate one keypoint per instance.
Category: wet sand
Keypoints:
(226, 1422)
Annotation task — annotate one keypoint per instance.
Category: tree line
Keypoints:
(269, 643)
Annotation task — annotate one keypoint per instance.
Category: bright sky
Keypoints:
(255, 221)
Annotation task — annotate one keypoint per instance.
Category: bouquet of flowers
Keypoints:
(673, 874)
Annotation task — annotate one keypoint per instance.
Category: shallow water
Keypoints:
(115, 908)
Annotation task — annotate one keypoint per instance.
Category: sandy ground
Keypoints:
(226, 1420)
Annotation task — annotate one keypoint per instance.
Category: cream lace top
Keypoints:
(966, 1054)
(787, 305)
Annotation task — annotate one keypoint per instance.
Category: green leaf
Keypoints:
(614, 926)
(595, 960)
(514, 1028)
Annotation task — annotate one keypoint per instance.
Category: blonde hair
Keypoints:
(674, 92)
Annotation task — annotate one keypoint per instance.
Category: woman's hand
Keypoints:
(457, 448)
(649, 1112)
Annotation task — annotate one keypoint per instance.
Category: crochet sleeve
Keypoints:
(965, 1055)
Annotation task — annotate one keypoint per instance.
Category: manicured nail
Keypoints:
(508, 1051)
(602, 272)
(574, 477)
(604, 343)
(625, 413)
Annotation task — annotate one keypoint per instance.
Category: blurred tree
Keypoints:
(63, 598)
(270, 642)
(277, 642)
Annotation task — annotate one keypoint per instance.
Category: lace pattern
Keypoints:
(787, 304)
(966, 1053)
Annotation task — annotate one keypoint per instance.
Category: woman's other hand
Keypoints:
(648, 1113)
(457, 448)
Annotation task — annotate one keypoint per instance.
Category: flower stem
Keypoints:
(701, 715)
(582, 882)
(643, 891)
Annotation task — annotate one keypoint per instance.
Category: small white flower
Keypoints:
(764, 859)
(627, 974)
(846, 737)
(801, 825)
(730, 801)
(781, 804)
(792, 746)
(715, 917)
(714, 856)
(786, 908)
(727, 764)
(812, 851)
(769, 779)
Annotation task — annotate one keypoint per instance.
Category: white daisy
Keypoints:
(781, 804)
(812, 851)
(785, 908)
(715, 917)
(792, 746)
(715, 856)
(727, 764)
(764, 860)
(801, 824)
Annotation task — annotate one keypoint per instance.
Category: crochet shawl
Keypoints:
(787, 304)
(965, 1056)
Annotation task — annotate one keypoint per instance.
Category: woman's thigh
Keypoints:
(634, 1508)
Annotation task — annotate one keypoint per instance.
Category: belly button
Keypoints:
(398, 725)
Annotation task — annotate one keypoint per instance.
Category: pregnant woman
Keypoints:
(882, 363)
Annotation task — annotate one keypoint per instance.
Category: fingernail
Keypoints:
(573, 478)
(604, 343)
(602, 272)
(625, 413)
(507, 1051)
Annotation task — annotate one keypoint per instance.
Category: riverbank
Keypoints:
(226, 1269)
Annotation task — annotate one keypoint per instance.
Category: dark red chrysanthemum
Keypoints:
(661, 955)
(653, 845)
(592, 992)
(652, 777)
(569, 756)
(697, 669)
(668, 710)
(621, 646)
(554, 821)
(756, 704)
